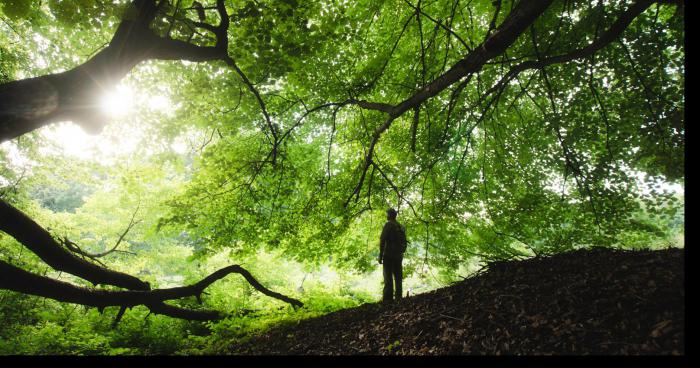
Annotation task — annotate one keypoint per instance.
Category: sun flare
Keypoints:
(118, 102)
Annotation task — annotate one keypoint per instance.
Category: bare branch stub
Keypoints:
(76, 249)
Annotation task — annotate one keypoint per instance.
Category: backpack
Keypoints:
(403, 242)
(396, 239)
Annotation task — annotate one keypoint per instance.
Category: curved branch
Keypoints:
(232, 63)
(74, 247)
(40, 242)
(525, 13)
(368, 158)
(308, 112)
(606, 38)
(251, 280)
(19, 280)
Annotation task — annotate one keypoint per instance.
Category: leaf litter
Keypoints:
(594, 301)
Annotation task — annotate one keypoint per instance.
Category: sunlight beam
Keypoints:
(118, 102)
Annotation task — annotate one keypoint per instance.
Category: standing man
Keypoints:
(392, 245)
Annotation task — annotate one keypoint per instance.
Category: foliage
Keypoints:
(578, 154)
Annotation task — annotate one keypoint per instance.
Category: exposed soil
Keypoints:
(597, 301)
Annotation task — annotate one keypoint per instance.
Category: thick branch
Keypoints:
(16, 279)
(28, 104)
(171, 49)
(525, 13)
(606, 38)
(515, 24)
(517, 21)
(41, 243)
(378, 106)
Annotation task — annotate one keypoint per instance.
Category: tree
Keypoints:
(31, 103)
(470, 116)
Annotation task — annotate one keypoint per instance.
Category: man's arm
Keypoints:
(382, 244)
(405, 244)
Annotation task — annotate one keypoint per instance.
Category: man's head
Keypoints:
(391, 214)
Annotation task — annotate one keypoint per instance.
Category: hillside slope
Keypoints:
(597, 301)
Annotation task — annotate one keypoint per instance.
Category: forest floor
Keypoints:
(596, 301)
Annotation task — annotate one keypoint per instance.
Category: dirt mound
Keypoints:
(596, 301)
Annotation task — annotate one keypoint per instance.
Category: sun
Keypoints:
(120, 139)
(118, 102)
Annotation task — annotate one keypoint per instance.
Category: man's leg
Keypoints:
(398, 277)
(388, 282)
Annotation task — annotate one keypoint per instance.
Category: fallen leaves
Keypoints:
(597, 301)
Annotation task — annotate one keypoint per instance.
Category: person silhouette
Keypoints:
(392, 245)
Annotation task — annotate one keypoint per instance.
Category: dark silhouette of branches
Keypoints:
(35, 238)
